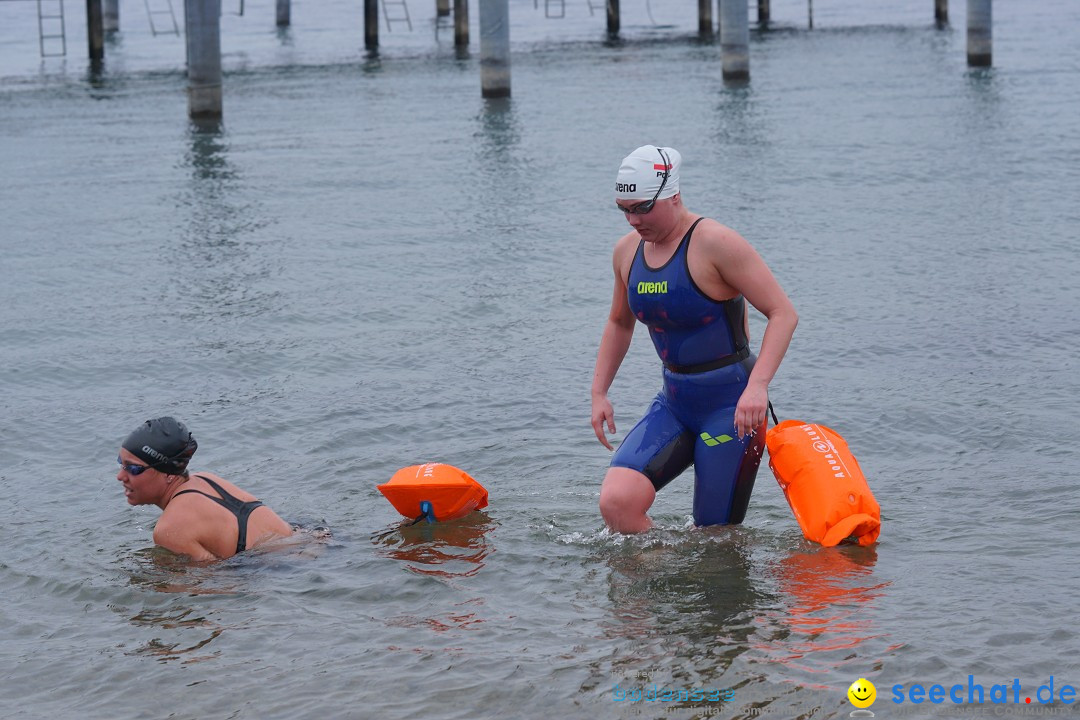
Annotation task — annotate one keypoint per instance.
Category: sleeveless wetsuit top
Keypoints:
(691, 331)
(235, 505)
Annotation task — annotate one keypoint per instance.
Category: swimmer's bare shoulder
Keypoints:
(204, 530)
(623, 255)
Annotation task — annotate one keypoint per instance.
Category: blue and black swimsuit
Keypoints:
(707, 362)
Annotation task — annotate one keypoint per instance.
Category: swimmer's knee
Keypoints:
(625, 497)
(613, 505)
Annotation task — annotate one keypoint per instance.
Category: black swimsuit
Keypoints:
(237, 507)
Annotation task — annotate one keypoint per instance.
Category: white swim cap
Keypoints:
(642, 173)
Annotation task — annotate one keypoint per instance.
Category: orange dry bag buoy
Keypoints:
(823, 483)
(434, 491)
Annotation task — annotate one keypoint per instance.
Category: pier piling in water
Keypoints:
(203, 19)
(95, 32)
(461, 23)
(763, 12)
(111, 16)
(941, 12)
(371, 25)
(613, 21)
(284, 12)
(442, 8)
(735, 40)
(495, 48)
(979, 33)
(705, 21)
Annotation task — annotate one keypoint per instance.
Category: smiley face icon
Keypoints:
(862, 693)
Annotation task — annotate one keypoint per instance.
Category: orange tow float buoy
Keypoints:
(434, 491)
(823, 483)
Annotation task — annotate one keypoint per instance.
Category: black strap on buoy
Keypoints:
(427, 512)
(773, 413)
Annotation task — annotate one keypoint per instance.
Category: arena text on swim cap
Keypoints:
(973, 692)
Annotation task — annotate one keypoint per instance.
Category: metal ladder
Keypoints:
(387, 4)
(159, 12)
(548, 4)
(43, 16)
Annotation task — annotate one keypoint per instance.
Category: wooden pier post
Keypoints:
(941, 12)
(495, 48)
(980, 35)
(613, 18)
(284, 11)
(442, 8)
(111, 16)
(705, 21)
(763, 12)
(735, 40)
(461, 23)
(203, 19)
(95, 32)
(371, 25)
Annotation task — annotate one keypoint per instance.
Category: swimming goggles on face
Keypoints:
(132, 469)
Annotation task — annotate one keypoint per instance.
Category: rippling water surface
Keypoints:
(368, 266)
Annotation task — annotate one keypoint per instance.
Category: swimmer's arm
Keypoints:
(172, 536)
(743, 269)
(614, 343)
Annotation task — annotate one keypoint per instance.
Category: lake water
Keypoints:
(368, 266)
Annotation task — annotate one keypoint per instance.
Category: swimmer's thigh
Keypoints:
(659, 446)
(724, 470)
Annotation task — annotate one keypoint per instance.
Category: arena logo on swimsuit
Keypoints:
(652, 288)
(824, 446)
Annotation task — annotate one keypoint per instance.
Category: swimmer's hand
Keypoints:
(750, 410)
(602, 412)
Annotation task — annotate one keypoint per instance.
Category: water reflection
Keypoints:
(685, 607)
(984, 90)
(160, 570)
(445, 551)
(823, 614)
(458, 548)
(503, 177)
(207, 157)
(220, 263)
(705, 612)
(199, 632)
(178, 602)
(742, 121)
(185, 632)
(499, 127)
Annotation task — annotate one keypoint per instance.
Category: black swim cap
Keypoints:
(164, 444)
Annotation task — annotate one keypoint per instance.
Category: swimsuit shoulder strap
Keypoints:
(233, 504)
(685, 244)
(196, 492)
(639, 259)
(221, 491)
(239, 508)
(682, 249)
